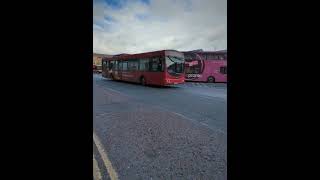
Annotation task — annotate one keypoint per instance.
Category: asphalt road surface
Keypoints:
(177, 132)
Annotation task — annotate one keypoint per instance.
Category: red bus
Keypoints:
(161, 68)
(206, 66)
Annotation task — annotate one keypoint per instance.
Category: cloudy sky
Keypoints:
(135, 26)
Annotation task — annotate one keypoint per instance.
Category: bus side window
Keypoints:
(130, 65)
(141, 65)
(136, 65)
(210, 56)
(223, 70)
(120, 65)
(115, 66)
(104, 64)
(133, 65)
(203, 57)
(144, 64)
(187, 56)
(125, 65)
(111, 65)
(161, 64)
(225, 57)
(155, 64)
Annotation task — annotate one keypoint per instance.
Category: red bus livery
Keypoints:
(161, 68)
(206, 66)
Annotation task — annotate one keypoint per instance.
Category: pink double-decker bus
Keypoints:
(206, 66)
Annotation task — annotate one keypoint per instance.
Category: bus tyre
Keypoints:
(143, 81)
(211, 79)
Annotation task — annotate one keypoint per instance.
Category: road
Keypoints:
(177, 132)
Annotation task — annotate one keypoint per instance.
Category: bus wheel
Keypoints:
(211, 79)
(143, 81)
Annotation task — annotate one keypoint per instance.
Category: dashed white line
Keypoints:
(183, 116)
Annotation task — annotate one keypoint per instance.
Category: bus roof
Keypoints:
(152, 53)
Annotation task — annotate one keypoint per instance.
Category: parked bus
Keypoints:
(206, 66)
(161, 68)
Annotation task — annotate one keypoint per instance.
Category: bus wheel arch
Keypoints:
(211, 79)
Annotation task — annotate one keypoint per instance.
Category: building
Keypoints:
(97, 60)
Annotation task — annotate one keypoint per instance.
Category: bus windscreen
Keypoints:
(175, 65)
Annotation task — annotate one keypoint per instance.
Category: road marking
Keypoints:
(102, 114)
(194, 121)
(211, 97)
(112, 173)
(161, 107)
(204, 124)
(116, 91)
(96, 170)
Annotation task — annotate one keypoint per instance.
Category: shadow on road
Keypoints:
(137, 84)
(186, 84)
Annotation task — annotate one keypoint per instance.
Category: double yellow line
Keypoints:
(96, 171)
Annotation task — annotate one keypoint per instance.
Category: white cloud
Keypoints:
(163, 24)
